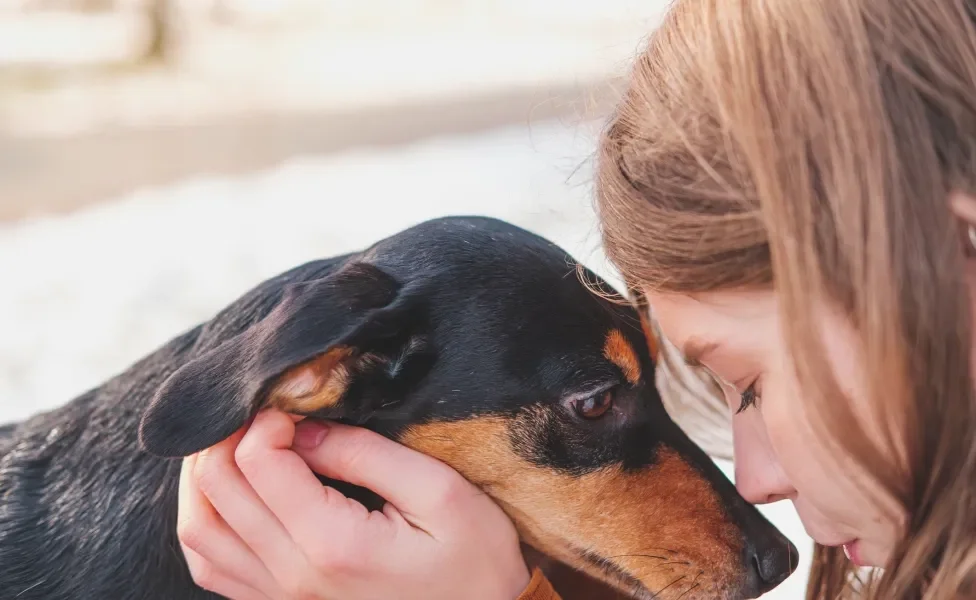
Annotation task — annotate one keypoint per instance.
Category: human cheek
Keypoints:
(791, 444)
(826, 508)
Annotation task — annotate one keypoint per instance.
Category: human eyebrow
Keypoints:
(695, 349)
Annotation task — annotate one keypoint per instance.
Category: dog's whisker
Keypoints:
(661, 567)
(636, 556)
(665, 550)
(677, 562)
(665, 588)
(693, 587)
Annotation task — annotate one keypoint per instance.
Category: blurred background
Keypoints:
(160, 157)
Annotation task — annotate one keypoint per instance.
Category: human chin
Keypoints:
(823, 530)
(864, 548)
(872, 546)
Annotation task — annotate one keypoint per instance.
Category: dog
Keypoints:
(465, 338)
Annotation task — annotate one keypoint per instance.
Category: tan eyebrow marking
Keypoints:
(621, 353)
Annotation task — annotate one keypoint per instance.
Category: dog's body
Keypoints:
(86, 512)
(6, 435)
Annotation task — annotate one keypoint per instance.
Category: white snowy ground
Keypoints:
(86, 294)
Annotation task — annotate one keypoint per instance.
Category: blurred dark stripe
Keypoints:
(46, 175)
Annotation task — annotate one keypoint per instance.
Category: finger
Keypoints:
(209, 577)
(392, 470)
(202, 531)
(232, 497)
(308, 510)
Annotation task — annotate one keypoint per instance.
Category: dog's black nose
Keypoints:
(770, 561)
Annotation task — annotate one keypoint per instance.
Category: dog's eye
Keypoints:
(594, 407)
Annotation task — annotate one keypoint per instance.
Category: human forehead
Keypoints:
(713, 317)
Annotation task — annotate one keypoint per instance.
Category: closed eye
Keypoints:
(750, 397)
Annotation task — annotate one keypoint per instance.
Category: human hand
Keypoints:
(255, 523)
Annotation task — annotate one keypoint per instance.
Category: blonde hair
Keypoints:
(811, 146)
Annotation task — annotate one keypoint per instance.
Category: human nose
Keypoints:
(759, 477)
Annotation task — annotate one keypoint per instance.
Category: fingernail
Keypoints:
(309, 434)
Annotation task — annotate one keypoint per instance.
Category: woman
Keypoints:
(791, 186)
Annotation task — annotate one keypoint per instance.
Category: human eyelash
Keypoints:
(749, 397)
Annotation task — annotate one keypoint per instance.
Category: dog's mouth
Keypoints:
(627, 582)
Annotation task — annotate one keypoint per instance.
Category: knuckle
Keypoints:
(323, 557)
(329, 560)
(449, 491)
(356, 559)
(247, 455)
(208, 472)
(332, 498)
(204, 574)
(192, 533)
(297, 588)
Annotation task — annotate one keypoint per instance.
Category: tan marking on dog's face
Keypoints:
(315, 385)
(663, 525)
(619, 351)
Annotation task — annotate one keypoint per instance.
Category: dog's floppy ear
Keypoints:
(300, 358)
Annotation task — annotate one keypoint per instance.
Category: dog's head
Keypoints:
(475, 342)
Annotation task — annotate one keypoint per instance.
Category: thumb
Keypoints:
(419, 486)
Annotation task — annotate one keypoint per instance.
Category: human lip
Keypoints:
(853, 551)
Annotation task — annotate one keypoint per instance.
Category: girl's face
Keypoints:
(738, 337)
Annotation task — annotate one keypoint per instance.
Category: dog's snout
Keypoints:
(769, 562)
